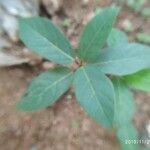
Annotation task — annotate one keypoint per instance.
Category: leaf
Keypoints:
(45, 39)
(46, 89)
(136, 5)
(143, 38)
(9, 60)
(95, 93)
(124, 59)
(124, 104)
(127, 136)
(139, 80)
(146, 12)
(96, 33)
(116, 38)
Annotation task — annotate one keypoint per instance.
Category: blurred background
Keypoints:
(65, 126)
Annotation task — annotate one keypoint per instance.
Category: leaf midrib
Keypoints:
(93, 91)
(54, 83)
(57, 48)
(95, 36)
(97, 32)
(118, 60)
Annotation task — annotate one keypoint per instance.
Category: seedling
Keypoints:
(136, 5)
(102, 69)
(67, 23)
(146, 12)
(143, 38)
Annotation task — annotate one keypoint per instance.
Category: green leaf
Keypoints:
(146, 12)
(46, 89)
(124, 59)
(95, 93)
(136, 5)
(96, 33)
(127, 136)
(139, 80)
(124, 103)
(45, 39)
(116, 38)
(143, 38)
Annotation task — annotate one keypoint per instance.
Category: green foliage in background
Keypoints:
(136, 5)
(107, 66)
(143, 38)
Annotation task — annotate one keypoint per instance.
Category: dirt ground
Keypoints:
(64, 126)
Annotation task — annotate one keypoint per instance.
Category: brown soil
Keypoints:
(60, 127)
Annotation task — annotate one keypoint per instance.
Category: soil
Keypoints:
(60, 127)
(63, 126)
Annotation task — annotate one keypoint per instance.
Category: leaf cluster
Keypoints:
(107, 66)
